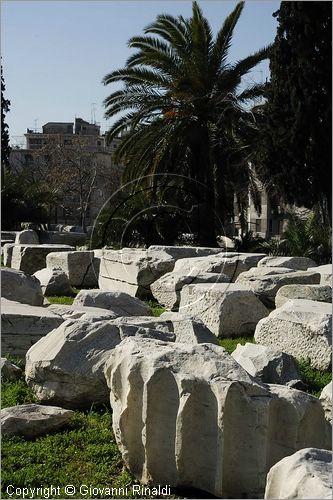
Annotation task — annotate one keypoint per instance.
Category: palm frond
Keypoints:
(254, 92)
(241, 68)
(222, 44)
(137, 75)
(173, 30)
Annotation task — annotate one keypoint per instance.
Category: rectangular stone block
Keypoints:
(227, 309)
(82, 268)
(23, 325)
(32, 258)
(133, 270)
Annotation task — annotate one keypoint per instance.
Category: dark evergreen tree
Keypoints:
(5, 148)
(296, 158)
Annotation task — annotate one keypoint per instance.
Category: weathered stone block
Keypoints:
(190, 416)
(81, 268)
(7, 252)
(269, 365)
(266, 281)
(229, 263)
(27, 237)
(54, 282)
(320, 293)
(66, 367)
(9, 371)
(32, 258)
(21, 287)
(167, 289)
(325, 273)
(305, 474)
(227, 309)
(23, 325)
(302, 328)
(33, 420)
(132, 270)
(122, 304)
(294, 263)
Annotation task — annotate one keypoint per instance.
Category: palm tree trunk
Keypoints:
(202, 167)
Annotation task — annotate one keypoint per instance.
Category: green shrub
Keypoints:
(304, 236)
(155, 307)
(314, 379)
(230, 344)
(248, 243)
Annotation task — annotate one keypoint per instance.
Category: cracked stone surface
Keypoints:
(82, 268)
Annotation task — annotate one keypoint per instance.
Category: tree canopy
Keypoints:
(5, 104)
(184, 113)
(296, 131)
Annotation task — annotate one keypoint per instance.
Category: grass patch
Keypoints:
(68, 301)
(230, 344)
(314, 379)
(64, 299)
(14, 359)
(15, 393)
(84, 453)
(155, 307)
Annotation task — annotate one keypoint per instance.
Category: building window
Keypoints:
(258, 225)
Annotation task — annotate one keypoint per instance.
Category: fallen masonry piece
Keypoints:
(189, 415)
(294, 263)
(305, 474)
(266, 281)
(21, 287)
(302, 328)
(268, 364)
(32, 258)
(23, 325)
(320, 293)
(82, 268)
(66, 367)
(167, 289)
(227, 309)
(120, 303)
(32, 420)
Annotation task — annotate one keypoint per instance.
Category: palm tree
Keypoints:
(182, 111)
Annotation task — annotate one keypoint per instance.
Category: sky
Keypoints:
(55, 53)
